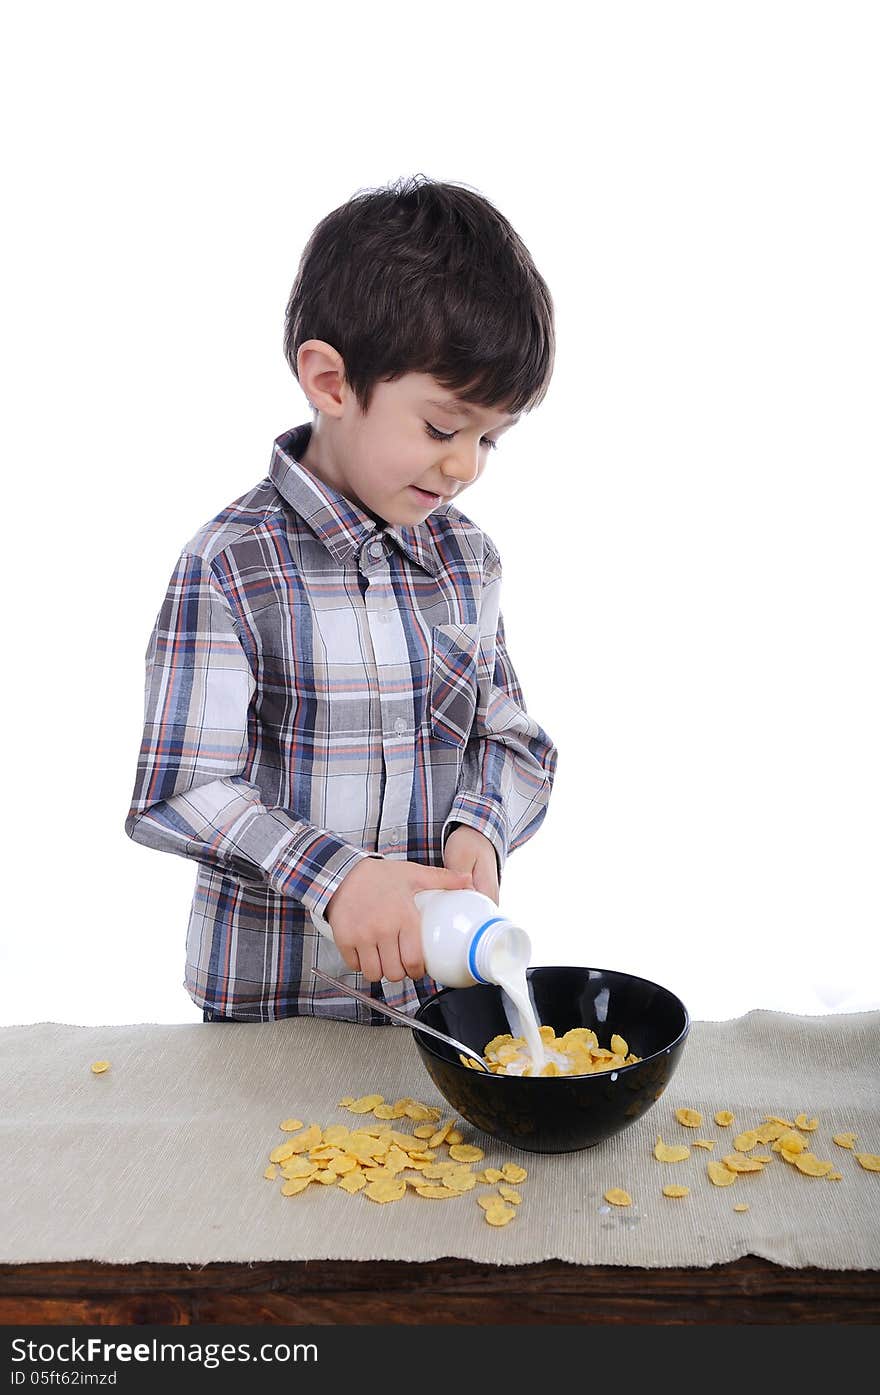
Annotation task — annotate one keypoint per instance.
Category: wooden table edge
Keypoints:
(448, 1290)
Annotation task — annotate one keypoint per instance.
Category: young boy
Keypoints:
(332, 721)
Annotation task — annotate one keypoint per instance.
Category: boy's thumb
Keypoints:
(442, 879)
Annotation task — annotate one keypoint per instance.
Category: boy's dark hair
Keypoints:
(426, 277)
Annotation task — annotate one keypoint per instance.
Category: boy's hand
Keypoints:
(375, 921)
(471, 852)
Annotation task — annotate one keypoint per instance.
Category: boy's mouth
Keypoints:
(425, 495)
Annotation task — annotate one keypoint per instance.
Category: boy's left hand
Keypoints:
(471, 853)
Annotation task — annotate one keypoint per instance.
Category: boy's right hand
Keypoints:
(375, 921)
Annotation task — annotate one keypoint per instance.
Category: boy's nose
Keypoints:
(463, 465)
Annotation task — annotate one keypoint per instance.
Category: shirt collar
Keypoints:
(337, 522)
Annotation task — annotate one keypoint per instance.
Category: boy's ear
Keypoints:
(320, 371)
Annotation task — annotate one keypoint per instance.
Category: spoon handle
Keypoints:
(400, 1017)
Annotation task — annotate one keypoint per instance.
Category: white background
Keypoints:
(689, 523)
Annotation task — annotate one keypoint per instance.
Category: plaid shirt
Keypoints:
(321, 689)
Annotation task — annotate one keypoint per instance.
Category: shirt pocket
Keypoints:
(452, 697)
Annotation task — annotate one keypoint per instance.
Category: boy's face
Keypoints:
(416, 448)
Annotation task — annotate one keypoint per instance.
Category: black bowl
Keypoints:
(557, 1114)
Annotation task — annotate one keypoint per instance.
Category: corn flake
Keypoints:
(366, 1104)
(616, 1196)
(869, 1161)
(670, 1152)
(845, 1140)
(812, 1166)
(390, 1189)
(801, 1122)
(500, 1214)
(466, 1152)
(745, 1141)
(689, 1118)
(513, 1172)
(294, 1185)
(352, 1182)
(738, 1162)
(719, 1175)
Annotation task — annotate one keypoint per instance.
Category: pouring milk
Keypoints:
(466, 941)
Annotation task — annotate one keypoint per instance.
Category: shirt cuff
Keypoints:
(487, 816)
(312, 866)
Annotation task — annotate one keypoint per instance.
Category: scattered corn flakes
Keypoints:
(384, 1162)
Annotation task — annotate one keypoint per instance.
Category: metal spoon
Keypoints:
(402, 1018)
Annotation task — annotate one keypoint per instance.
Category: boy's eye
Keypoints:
(447, 436)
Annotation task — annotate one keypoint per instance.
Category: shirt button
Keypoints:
(376, 549)
(400, 724)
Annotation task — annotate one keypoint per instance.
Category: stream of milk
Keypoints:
(508, 970)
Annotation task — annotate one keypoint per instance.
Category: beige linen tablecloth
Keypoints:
(161, 1158)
